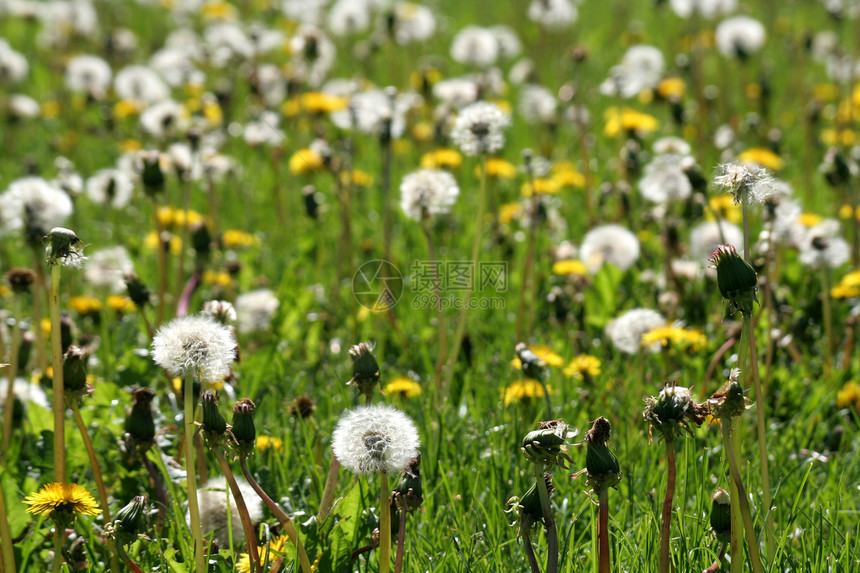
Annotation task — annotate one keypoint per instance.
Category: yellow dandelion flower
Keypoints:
(217, 278)
(271, 553)
(846, 210)
(825, 92)
(851, 279)
(401, 147)
(174, 243)
(121, 304)
(404, 387)
(442, 159)
(305, 161)
(809, 219)
(212, 112)
(423, 131)
(357, 178)
(724, 206)
(318, 102)
(763, 157)
(51, 109)
(752, 91)
(266, 442)
(628, 119)
(523, 390)
(63, 498)
(672, 88)
(540, 186)
(849, 395)
(291, 107)
(85, 305)
(543, 352)
(428, 76)
(129, 145)
(218, 10)
(569, 267)
(125, 108)
(845, 291)
(498, 168)
(5, 291)
(831, 136)
(583, 366)
(675, 335)
(564, 174)
(194, 89)
(234, 238)
(510, 211)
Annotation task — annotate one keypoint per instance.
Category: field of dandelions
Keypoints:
(539, 286)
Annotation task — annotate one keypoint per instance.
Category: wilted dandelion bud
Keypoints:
(729, 401)
(244, 430)
(139, 425)
(735, 277)
(214, 424)
(721, 514)
(600, 462)
(548, 444)
(20, 280)
(75, 370)
(365, 369)
(64, 247)
(302, 407)
(408, 493)
(128, 522)
(673, 410)
(533, 365)
(137, 291)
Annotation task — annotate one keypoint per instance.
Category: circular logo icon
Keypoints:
(377, 285)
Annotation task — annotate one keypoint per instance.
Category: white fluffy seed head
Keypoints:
(626, 331)
(479, 128)
(256, 309)
(428, 192)
(374, 439)
(611, 244)
(195, 345)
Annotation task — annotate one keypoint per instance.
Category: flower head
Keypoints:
(627, 330)
(478, 128)
(62, 501)
(374, 439)
(34, 206)
(611, 244)
(735, 277)
(747, 183)
(195, 345)
(64, 248)
(740, 36)
(673, 410)
(256, 309)
(428, 192)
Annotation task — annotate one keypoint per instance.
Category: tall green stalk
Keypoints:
(58, 391)
(6, 538)
(551, 533)
(664, 559)
(742, 503)
(9, 402)
(191, 474)
(242, 508)
(384, 524)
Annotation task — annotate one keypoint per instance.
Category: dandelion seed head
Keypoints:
(374, 439)
(428, 192)
(194, 345)
(479, 128)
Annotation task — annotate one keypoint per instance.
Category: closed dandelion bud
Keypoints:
(528, 509)
(601, 464)
(201, 240)
(311, 204)
(139, 425)
(243, 425)
(547, 444)
(721, 514)
(365, 369)
(75, 370)
(152, 175)
(20, 280)
(735, 277)
(128, 522)
(532, 364)
(213, 422)
(137, 291)
(65, 332)
(408, 493)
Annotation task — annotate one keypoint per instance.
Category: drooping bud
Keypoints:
(75, 370)
(244, 430)
(408, 493)
(528, 509)
(548, 444)
(137, 291)
(735, 277)
(365, 369)
(721, 514)
(601, 464)
(64, 247)
(140, 425)
(128, 523)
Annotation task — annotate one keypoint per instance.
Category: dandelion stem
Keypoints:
(191, 476)
(551, 534)
(280, 515)
(250, 535)
(59, 534)
(828, 323)
(162, 263)
(6, 539)
(58, 391)
(328, 491)
(603, 531)
(476, 249)
(530, 551)
(13, 371)
(97, 473)
(440, 315)
(664, 560)
(38, 293)
(529, 262)
(743, 506)
(715, 566)
(384, 525)
(401, 541)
